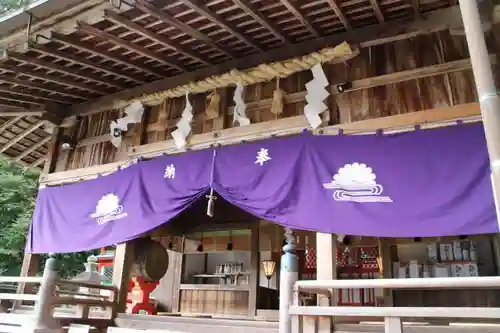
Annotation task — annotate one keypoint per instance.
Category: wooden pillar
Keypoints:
(28, 268)
(122, 266)
(254, 270)
(326, 269)
(43, 312)
(178, 277)
(288, 276)
(386, 269)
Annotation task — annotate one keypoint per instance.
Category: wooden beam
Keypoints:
(259, 131)
(140, 30)
(338, 12)
(44, 50)
(367, 83)
(294, 8)
(5, 126)
(122, 266)
(165, 17)
(106, 36)
(416, 7)
(62, 69)
(378, 12)
(39, 86)
(21, 136)
(201, 8)
(29, 268)
(41, 161)
(20, 113)
(101, 53)
(365, 37)
(33, 148)
(255, 13)
(23, 92)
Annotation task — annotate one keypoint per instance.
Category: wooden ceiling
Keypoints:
(152, 40)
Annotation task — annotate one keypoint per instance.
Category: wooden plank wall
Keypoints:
(427, 92)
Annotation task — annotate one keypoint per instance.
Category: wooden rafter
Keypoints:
(129, 46)
(140, 30)
(38, 86)
(104, 54)
(44, 50)
(23, 92)
(294, 8)
(367, 36)
(7, 96)
(416, 7)
(9, 123)
(38, 162)
(378, 12)
(20, 136)
(20, 113)
(199, 7)
(338, 12)
(163, 16)
(62, 69)
(21, 70)
(254, 12)
(32, 149)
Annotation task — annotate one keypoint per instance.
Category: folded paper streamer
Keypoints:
(133, 114)
(316, 94)
(183, 125)
(239, 114)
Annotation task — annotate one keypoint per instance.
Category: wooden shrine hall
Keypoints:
(93, 88)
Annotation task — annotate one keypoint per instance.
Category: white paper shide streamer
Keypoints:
(133, 114)
(316, 94)
(239, 114)
(183, 125)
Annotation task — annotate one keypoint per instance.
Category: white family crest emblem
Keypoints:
(169, 172)
(108, 209)
(262, 156)
(356, 182)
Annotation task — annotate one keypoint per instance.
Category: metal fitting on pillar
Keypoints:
(288, 276)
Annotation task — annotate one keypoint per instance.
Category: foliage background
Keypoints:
(18, 190)
(8, 5)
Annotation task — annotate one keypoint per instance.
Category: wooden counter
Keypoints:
(214, 299)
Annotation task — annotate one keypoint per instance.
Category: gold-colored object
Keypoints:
(261, 73)
(278, 99)
(212, 110)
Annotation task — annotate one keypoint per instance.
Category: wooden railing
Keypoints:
(57, 304)
(303, 319)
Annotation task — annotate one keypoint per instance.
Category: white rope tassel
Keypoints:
(183, 126)
(239, 114)
(316, 94)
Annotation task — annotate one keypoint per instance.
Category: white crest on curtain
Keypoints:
(316, 94)
(183, 125)
(239, 114)
(133, 114)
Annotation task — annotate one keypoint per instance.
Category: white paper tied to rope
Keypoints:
(316, 94)
(133, 114)
(239, 113)
(183, 125)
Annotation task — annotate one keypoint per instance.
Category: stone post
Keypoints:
(44, 318)
(289, 274)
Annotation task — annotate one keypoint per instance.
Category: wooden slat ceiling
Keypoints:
(159, 39)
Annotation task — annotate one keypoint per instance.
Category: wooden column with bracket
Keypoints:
(31, 261)
(254, 270)
(122, 266)
(326, 269)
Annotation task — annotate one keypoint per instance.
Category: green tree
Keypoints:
(18, 189)
(8, 5)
